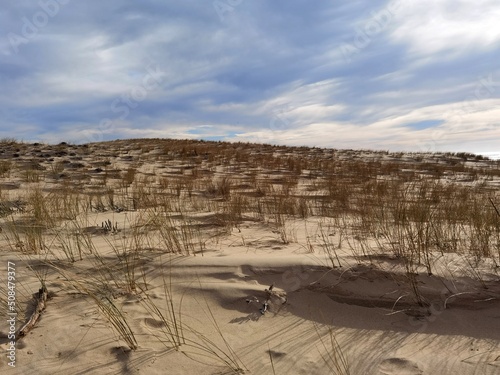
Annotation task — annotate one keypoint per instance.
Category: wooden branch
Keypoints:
(40, 299)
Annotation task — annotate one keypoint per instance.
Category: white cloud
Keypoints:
(447, 28)
(392, 133)
(269, 73)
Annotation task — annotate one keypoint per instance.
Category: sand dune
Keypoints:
(146, 236)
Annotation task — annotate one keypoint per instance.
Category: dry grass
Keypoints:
(415, 207)
(331, 352)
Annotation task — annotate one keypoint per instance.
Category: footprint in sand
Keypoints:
(399, 366)
(153, 323)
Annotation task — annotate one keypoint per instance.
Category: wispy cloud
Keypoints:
(422, 74)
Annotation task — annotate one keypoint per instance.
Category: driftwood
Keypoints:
(40, 300)
(272, 297)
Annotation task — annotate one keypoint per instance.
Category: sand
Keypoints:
(317, 315)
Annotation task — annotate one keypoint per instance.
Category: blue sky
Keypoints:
(417, 75)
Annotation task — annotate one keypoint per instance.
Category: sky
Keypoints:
(398, 75)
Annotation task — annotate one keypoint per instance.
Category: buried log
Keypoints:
(40, 299)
